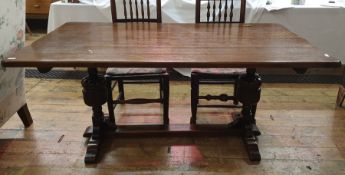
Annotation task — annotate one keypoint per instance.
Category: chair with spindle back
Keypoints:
(137, 11)
(217, 11)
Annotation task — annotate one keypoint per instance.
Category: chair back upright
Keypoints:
(220, 11)
(136, 11)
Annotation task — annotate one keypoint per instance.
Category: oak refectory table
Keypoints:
(101, 45)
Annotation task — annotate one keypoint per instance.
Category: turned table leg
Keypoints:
(94, 94)
(249, 95)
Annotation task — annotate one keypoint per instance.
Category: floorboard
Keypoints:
(302, 133)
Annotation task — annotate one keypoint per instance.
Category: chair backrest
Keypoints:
(135, 11)
(220, 11)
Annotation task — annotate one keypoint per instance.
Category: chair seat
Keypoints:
(219, 71)
(134, 71)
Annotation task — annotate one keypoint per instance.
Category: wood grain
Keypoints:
(171, 45)
(302, 133)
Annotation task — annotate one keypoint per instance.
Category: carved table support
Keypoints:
(249, 95)
(94, 94)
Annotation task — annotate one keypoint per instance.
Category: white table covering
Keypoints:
(61, 13)
(323, 27)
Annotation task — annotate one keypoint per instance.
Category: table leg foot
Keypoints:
(255, 130)
(252, 147)
(92, 151)
(88, 132)
(238, 122)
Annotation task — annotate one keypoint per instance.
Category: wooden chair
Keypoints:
(217, 11)
(136, 11)
(137, 75)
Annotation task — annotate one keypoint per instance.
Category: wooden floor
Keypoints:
(302, 133)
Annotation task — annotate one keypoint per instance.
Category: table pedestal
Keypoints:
(94, 94)
(249, 92)
(243, 124)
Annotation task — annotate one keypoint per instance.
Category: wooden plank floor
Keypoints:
(302, 133)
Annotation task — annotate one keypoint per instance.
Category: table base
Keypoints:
(235, 128)
(244, 124)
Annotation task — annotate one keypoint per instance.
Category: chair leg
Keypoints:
(161, 90)
(235, 92)
(110, 102)
(121, 90)
(25, 115)
(254, 112)
(194, 97)
(166, 100)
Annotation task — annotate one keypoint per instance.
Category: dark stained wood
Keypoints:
(148, 9)
(173, 130)
(219, 11)
(136, 9)
(95, 95)
(249, 93)
(156, 77)
(231, 11)
(25, 115)
(194, 45)
(142, 8)
(129, 8)
(162, 78)
(103, 45)
(243, 11)
(113, 10)
(214, 11)
(215, 76)
(199, 77)
(246, 86)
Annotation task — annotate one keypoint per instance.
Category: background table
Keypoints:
(323, 27)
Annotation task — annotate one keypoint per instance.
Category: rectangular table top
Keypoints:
(171, 45)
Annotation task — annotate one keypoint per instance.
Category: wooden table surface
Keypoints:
(171, 45)
(96, 45)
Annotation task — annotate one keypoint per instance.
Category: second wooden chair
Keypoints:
(135, 11)
(217, 11)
